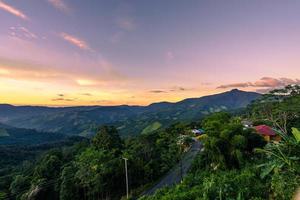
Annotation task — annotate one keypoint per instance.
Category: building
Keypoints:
(198, 132)
(267, 132)
(247, 123)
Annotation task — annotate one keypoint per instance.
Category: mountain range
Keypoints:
(129, 120)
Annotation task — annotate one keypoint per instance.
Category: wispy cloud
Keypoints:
(126, 23)
(172, 89)
(157, 91)
(264, 90)
(22, 32)
(102, 102)
(29, 72)
(75, 41)
(62, 99)
(87, 94)
(265, 82)
(116, 37)
(235, 85)
(41, 73)
(88, 82)
(12, 10)
(60, 5)
(33, 63)
(169, 55)
(179, 88)
(4, 72)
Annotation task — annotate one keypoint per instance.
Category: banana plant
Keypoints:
(281, 155)
(296, 134)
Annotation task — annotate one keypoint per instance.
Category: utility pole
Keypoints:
(181, 171)
(126, 174)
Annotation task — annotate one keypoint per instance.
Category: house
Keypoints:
(247, 123)
(267, 132)
(198, 132)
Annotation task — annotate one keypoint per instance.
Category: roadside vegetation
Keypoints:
(237, 163)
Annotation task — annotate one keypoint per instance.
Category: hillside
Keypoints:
(20, 136)
(129, 120)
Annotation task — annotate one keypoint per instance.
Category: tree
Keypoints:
(98, 173)
(45, 180)
(228, 144)
(107, 138)
(213, 124)
(68, 190)
(48, 168)
(19, 186)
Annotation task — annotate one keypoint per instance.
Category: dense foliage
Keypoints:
(16, 158)
(228, 144)
(21, 136)
(95, 169)
(236, 163)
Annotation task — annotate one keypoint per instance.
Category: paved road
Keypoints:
(174, 176)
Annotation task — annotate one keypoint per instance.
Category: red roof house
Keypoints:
(267, 132)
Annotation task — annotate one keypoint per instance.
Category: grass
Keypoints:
(152, 127)
(3, 133)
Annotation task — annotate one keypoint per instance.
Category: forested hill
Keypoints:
(20, 136)
(129, 120)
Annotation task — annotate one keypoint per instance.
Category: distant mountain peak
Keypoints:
(129, 119)
(236, 90)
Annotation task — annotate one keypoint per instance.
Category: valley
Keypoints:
(129, 120)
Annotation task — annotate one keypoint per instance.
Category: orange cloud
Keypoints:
(158, 91)
(175, 89)
(87, 82)
(75, 41)
(235, 85)
(62, 99)
(12, 10)
(29, 73)
(4, 72)
(60, 5)
(36, 72)
(265, 82)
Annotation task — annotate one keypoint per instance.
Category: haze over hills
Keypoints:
(129, 120)
(20, 136)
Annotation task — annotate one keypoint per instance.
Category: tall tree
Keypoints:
(107, 138)
(19, 186)
(68, 184)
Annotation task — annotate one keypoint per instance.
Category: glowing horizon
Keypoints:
(72, 52)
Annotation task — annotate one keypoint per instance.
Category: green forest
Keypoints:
(94, 169)
(235, 162)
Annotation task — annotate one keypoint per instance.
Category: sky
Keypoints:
(112, 52)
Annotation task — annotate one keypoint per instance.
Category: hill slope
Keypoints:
(20, 136)
(129, 120)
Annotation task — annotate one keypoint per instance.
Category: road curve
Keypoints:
(174, 176)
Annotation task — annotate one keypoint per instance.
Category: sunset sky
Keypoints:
(110, 52)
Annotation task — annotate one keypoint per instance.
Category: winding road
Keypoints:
(179, 171)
